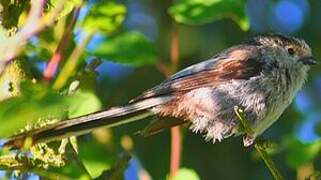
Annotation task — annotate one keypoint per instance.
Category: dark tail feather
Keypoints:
(84, 124)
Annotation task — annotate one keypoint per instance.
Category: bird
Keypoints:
(261, 75)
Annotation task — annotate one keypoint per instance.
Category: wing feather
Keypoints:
(239, 62)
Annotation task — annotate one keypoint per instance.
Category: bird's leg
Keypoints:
(259, 147)
(248, 138)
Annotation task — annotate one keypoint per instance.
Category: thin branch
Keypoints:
(176, 141)
(167, 70)
(175, 48)
(246, 125)
(175, 150)
(163, 68)
(24, 164)
(35, 23)
(71, 64)
(52, 66)
(260, 149)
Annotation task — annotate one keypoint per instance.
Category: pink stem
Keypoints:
(176, 141)
(52, 66)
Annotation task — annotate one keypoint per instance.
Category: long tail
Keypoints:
(81, 125)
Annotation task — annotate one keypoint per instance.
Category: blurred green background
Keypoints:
(117, 49)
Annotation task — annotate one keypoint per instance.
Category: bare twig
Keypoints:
(164, 69)
(34, 24)
(25, 164)
(176, 140)
(71, 63)
(175, 150)
(260, 149)
(52, 66)
(167, 70)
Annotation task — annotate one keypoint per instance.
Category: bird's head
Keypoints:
(286, 50)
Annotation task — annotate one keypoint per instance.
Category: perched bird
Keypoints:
(261, 75)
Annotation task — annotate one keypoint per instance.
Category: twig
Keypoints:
(175, 48)
(176, 141)
(71, 63)
(260, 149)
(175, 150)
(163, 68)
(52, 66)
(268, 162)
(35, 23)
(23, 163)
(167, 70)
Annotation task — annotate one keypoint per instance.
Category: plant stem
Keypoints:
(35, 23)
(53, 64)
(176, 141)
(71, 64)
(175, 150)
(268, 162)
(261, 150)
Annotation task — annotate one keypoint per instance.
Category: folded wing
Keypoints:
(239, 62)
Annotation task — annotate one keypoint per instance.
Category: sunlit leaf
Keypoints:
(68, 6)
(117, 171)
(300, 153)
(83, 102)
(129, 47)
(39, 103)
(3, 34)
(106, 17)
(35, 102)
(186, 174)
(197, 12)
(95, 158)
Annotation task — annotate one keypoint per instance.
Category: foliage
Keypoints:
(107, 17)
(197, 12)
(127, 48)
(187, 174)
(302, 153)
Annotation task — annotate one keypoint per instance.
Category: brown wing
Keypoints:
(240, 62)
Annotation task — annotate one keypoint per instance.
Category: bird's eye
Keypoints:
(291, 50)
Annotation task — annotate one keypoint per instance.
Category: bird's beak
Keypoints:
(308, 61)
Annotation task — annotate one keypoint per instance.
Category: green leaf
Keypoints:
(38, 104)
(35, 103)
(186, 174)
(129, 47)
(117, 172)
(300, 153)
(106, 17)
(95, 158)
(3, 35)
(197, 12)
(68, 6)
(83, 102)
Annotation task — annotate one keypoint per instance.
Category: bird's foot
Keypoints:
(248, 140)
